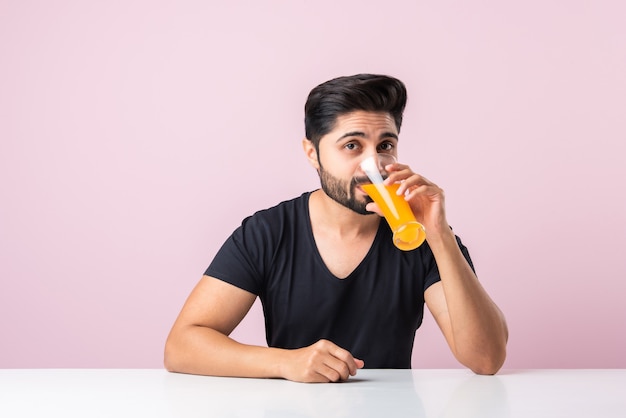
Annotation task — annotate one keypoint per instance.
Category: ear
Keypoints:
(311, 153)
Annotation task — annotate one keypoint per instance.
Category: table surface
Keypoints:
(372, 393)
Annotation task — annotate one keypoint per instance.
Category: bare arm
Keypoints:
(472, 324)
(199, 342)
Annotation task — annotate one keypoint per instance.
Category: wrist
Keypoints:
(439, 238)
(276, 365)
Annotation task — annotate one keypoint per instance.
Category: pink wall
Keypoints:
(135, 136)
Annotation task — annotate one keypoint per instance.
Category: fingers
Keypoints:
(430, 192)
(343, 360)
(325, 362)
(337, 363)
(409, 181)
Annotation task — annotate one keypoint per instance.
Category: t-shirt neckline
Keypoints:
(318, 256)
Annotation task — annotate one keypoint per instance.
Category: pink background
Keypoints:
(135, 136)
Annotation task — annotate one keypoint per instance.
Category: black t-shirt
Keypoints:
(373, 313)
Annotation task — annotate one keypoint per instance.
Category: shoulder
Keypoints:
(271, 223)
(283, 211)
(285, 207)
(248, 254)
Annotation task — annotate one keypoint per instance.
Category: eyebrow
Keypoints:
(362, 135)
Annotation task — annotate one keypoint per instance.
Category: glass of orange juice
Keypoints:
(408, 234)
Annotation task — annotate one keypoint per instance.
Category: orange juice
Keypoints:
(408, 234)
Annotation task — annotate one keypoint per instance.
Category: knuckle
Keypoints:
(323, 344)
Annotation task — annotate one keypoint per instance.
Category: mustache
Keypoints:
(357, 181)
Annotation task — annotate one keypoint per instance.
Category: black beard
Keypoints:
(338, 191)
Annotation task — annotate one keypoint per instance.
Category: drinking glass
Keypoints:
(408, 234)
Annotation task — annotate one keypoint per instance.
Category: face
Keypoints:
(356, 135)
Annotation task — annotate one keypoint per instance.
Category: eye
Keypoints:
(350, 146)
(386, 146)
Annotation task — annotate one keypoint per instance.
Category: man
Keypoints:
(337, 295)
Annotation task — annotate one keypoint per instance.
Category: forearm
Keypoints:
(478, 331)
(200, 350)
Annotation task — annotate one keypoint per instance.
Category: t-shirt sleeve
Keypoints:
(432, 275)
(241, 259)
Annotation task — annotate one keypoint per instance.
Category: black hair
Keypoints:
(336, 97)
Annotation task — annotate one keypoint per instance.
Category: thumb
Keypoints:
(373, 207)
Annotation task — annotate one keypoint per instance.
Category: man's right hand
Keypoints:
(321, 362)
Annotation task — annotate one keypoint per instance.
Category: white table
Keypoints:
(372, 393)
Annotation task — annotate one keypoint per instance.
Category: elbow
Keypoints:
(169, 364)
(171, 357)
(488, 363)
(168, 361)
(483, 358)
(487, 369)
(488, 357)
